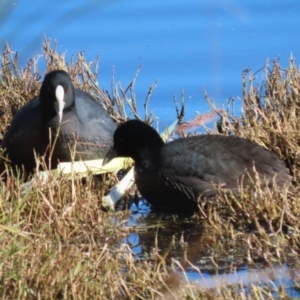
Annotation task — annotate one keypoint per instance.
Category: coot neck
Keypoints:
(148, 156)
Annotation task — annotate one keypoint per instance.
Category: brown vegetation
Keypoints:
(56, 243)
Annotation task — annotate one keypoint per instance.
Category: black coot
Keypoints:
(174, 176)
(82, 122)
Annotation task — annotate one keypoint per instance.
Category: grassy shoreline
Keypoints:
(56, 242)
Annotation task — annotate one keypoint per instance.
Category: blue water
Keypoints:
(191, 45)
(143, 242)
(187, 45)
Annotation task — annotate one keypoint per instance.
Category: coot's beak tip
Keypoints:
(109, 156)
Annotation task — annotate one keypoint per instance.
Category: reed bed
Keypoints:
(57, 242)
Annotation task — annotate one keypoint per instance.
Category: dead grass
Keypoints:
(56, 243)
(270, 112)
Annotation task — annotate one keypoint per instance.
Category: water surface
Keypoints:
(187, 45)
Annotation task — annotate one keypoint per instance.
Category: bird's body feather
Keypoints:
(84, 124)
(177, 175)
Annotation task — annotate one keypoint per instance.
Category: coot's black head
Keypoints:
(56, 94)
(135, 139)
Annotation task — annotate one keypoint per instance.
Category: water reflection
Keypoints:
(273, 277)
(186, 245)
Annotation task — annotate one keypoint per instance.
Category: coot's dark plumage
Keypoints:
(174, 176)
(59, 104)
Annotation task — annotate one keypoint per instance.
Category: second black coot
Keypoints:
(177, 175)
(83, 123)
